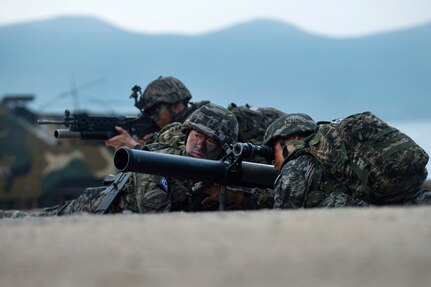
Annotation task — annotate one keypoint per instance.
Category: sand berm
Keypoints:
(321, 247)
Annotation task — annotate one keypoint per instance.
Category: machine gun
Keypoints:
(86, 127)
(231, 170)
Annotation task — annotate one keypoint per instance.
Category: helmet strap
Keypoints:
(283, 145)
(175, 116)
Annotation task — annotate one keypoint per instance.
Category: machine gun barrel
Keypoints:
(249, 174)
(49, 122)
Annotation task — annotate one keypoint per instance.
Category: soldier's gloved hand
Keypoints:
(122, 139)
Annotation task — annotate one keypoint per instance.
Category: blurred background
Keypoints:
(328, 58)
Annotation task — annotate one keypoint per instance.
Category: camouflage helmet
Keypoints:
(165, 90)
(287, 125)
(215, 122)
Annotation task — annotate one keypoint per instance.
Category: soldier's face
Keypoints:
(161, 115)
(200, 146)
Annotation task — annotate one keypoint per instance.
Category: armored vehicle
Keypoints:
(36, 169)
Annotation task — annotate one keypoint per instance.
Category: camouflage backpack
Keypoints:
(374, 161)
(253, 121)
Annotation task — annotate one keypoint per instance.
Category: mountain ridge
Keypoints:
(263, 62)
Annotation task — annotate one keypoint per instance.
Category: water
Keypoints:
(419, 131)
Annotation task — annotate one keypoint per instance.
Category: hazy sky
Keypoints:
(330, 17)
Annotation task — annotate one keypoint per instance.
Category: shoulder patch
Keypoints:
(164, 184)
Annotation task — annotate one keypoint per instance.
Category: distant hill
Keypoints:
(263, 62)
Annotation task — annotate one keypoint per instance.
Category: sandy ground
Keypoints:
(342, 247)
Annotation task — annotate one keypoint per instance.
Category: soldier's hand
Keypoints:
(214, 193)
(122, 139)
(144, 139)
(233, 195)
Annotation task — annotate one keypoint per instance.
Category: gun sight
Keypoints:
(248, 150)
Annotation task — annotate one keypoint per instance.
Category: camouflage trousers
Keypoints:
(339, 199)
(87, 202)
(422, 197)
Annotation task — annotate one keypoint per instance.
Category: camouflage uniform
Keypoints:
(421, 197)
(253, 121)
(295, 188)
(150, 193)
(303, 183)
(158, 194)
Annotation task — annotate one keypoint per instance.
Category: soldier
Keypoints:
(302, 182)
(204, 134)
(166, 100)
